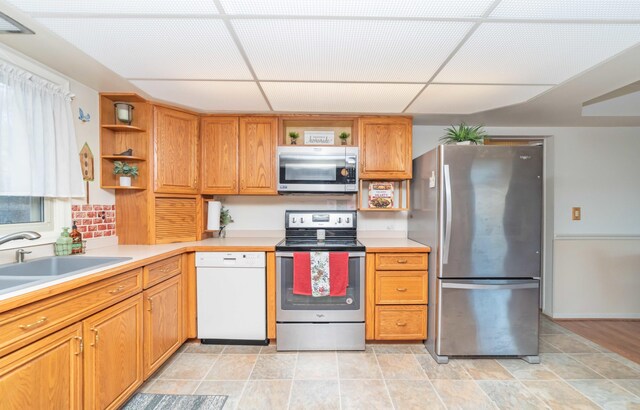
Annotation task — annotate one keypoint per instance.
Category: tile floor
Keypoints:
(574, 374)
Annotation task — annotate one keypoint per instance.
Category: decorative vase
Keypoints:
(344, 142)
(293, 141)
(125, 181)
(463, 143)
(222, 233)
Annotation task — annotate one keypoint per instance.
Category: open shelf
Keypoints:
(122, 128)
(123, 157)
(400, 196)
(123, 187)
(302, 123)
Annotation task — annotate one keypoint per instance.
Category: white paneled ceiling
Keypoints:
(118, 6)
(471, 98)
(336, 50)
(526, 53)
(414, 56)
(568, 9)
(339, 97)
(188, 48)
(358, 8)
(207, 95)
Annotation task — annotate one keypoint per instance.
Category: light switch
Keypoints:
(576, 213)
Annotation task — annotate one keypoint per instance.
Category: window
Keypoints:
(21, 210)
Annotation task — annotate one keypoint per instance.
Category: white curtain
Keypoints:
(38, 149)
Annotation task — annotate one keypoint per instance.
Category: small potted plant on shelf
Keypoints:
(464, 134)
(294, 137)
(225, 219)
(344, 136)
(125, 171)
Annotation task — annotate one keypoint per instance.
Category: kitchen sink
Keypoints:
(15, 276)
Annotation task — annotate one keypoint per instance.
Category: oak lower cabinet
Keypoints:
(47, 374)
(162, 323)
(113, 354)
(397, 289)
(385, 147)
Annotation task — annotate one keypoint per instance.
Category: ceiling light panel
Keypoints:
(340, 97)
(358, 8)
(117, 6)
(468, 99)
(207, 95)
(156, 48)
(348, 50)
(512, 53)
(568, 9)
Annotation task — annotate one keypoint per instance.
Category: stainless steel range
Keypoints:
(326, 322)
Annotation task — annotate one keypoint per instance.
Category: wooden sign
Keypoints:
(86, 161)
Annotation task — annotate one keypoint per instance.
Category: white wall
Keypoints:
(266, 214)
(596, 169)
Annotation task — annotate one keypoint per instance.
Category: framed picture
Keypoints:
(319, 137)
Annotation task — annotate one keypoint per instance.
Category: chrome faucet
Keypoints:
(30, 235)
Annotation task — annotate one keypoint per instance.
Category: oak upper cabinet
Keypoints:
(162, 322)
(219, 141)
(113, 354)
(385, 148)
(46, 374)
(258, 141)
(176, 152)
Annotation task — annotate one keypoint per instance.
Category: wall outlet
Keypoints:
(576, 213)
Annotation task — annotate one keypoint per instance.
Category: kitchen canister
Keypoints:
(213, 215)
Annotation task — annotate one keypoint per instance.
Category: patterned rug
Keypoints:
(144, 401)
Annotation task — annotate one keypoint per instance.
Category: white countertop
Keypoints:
(139, 253)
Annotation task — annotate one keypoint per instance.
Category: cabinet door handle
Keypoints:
(150, 304)
(117, 290)
(80, 345)
(401, 324)
(96, 337)
(35, 324)
(401, 289)
(402, 261)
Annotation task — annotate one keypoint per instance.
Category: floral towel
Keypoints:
(320, 274)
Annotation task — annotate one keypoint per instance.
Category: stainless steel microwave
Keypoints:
(317, 170)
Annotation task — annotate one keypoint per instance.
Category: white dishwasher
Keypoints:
(232, 300)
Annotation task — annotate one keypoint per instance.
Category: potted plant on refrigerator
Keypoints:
(125, 171)
(464, 134)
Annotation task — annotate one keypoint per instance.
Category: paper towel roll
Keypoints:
(213, 216)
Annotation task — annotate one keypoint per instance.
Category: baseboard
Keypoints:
(596, 316)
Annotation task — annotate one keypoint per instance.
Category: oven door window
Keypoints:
(351, 301)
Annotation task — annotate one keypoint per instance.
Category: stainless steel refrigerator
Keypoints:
(480, 210)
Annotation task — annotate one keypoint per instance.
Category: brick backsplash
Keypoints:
(94, 221)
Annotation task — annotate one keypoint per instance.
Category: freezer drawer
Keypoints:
(487, 317)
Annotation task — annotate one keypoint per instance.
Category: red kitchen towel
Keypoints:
(339, 273)
(302, 273)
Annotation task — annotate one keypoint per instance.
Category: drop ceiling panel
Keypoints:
(340, 97)
(568, 9)
(347, 50)
(156, 48)
(360, 8)
(468, 99)
(514, 53)
(117, 6)
(207, 95)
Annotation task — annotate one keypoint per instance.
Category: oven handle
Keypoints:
(290, 254)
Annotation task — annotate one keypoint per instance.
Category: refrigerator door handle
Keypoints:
(447, 226)
(529, 285)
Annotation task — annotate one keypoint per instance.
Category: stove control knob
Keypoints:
(301, 220)
(339, 220)
(348, 220)
(294, 219)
